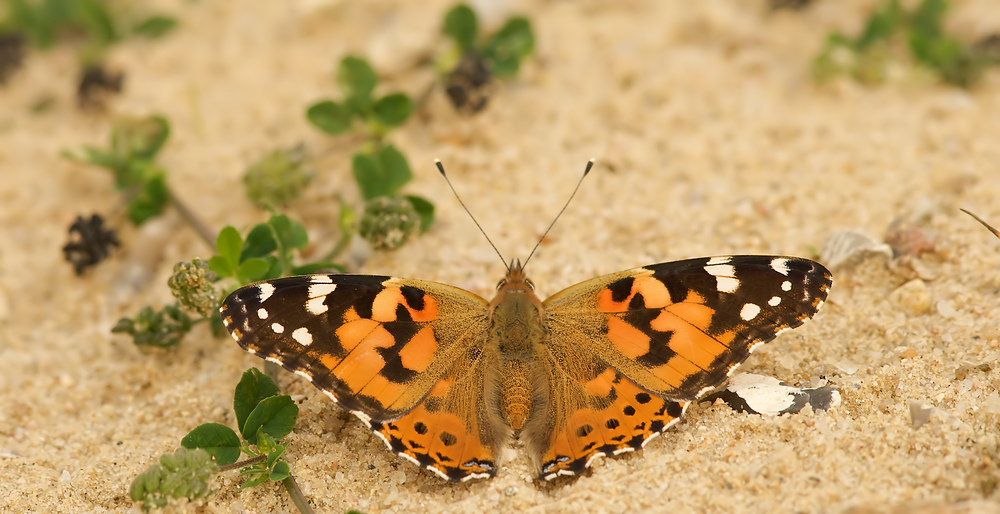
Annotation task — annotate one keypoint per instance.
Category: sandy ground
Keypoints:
(711, 139)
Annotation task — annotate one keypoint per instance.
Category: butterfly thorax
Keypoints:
(515, 335)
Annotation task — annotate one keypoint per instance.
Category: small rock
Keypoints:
(850, 247)
(912, 297)
(944, 308)
(908, 354)
(920, 412)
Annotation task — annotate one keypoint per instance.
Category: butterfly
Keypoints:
(448, 379)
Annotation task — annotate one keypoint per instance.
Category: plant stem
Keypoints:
(199, 226)
(243, 464)
(296, 495)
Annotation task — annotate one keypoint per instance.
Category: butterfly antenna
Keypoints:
(437, 162)
(590, 164)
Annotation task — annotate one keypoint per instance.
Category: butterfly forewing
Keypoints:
(375, 344)
(677, 329)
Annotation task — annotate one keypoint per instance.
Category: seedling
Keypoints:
(265, 253)
(471, 64)
(379, 168)
(264, 418)
(89, 24)
(866, 55)
(278, 178)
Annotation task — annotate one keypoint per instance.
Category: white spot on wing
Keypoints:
(363, 417)
(278, 328)
(725, 277)
(262, 313)
(727, 284)
(786, 286)
(264, 291)
(321, 289)
(302, 336)
(321, 279)
(301, 373)
(726, 259)
(749, 311)
(780, 265)
(316, 306)
(774, 301)
(274, 360)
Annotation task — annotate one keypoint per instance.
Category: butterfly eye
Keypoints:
(501, 284)
(530, 284)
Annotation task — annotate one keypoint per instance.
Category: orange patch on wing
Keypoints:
(627, 339)
(418, 353)
(385, 304)
(383, 389)
(601, 384)
(691, 313)
(363, 362)
(606, 304)
(654, 294)
(441, 388)
(442, 436)
(587, 430)
(430, 311)
(352, 333)
(676, 371)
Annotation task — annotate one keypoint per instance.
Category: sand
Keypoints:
(710, 137)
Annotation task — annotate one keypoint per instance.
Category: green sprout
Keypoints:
(379, 168)
(182, 474)
(44, 22)
(471, 63)
(193, 284)
(264, 418)
(130, 155)
(277, 179)
(163, 328)
(866, 55)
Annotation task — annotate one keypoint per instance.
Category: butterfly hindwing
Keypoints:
(375, 344)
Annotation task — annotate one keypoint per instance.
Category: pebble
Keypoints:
(912, 297)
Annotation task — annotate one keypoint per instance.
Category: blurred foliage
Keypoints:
(866, 56)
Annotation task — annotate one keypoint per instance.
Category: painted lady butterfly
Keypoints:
(448, 379)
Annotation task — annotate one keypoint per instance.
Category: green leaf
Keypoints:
(227, 246)
(139, 138)
(279, 472)
(425, 209)
(273, 455)
(252, 270)
(290, 234)
(513, 42)
(367, 175)
(356, 78)
(153, 196)
(461, 25)
(253, 387)
(154, 26)
(276, 415)
(881, 25)
(96, 20)
(275, 268)
(329, 116)
(260, 242)
(383, 174)
(317, 267)
(221, 266)
(218, 440)
(253, 481)
(392, 110)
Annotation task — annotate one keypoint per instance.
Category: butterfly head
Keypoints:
(516, 279)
